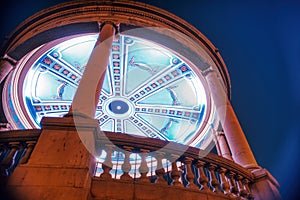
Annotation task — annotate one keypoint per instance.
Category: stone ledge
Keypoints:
(49, 193)
(50, 177)
(128, 190)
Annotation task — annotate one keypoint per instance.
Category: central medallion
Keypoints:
(118, 107)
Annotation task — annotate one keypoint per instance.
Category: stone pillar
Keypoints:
(6, 65)
(240, 149)
(264, 185)
(87, 95)
(60, 166)
(222, 145)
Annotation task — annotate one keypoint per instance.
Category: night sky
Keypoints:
(260, 44)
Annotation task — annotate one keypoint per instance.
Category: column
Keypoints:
(6, 65)
(222, 145)
(87, 95)
(240, 149)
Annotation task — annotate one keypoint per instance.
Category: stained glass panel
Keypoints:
(148, 90)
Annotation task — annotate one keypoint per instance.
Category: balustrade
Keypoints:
(15, 148)
(143, 162)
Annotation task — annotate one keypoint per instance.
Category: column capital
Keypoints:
(116, 26)
(220, 133)
(208, 70)
(9, 59)
(6, 65)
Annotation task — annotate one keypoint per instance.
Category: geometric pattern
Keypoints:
(148, 90)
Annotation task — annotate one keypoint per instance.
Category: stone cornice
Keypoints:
(83, 16)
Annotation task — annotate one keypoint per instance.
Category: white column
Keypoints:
(87, 95)
(238, 144)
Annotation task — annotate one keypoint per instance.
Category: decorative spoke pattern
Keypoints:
(147, 91)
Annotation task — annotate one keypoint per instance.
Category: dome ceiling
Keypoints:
(148, 90)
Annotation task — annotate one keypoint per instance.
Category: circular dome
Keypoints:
(153, 85)
(148, 90)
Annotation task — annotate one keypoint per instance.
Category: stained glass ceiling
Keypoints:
(148, 90)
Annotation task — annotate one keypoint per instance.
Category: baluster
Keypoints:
(213, 180)
(203, 180)
(175, 173)
(233, 187)
(160, 171)
(242, 191)
(246, 184)
(126, 167)
(29, 145)
(143, 169)
(9, 160)
(224, 183)
(168, 173)
(107, 164)
(189, 173)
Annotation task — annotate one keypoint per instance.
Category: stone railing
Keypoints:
(146, 160)
(16, 147)
(134, 159)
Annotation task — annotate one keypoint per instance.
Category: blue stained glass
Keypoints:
(147, 91)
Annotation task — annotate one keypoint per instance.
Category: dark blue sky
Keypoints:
(260, 44)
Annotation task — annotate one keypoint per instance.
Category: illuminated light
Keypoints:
(156, 96)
